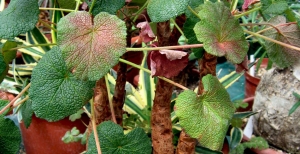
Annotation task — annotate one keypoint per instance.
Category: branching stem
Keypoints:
(17, 97)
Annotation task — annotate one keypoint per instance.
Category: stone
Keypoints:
(274, 98)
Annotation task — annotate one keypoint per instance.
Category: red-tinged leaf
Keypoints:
(221, 33)
(167, 64)
(243, 66)
(89, 46)
(146, 32)
(247, 3)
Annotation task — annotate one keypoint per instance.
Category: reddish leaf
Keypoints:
(146, 32)
(247, 3)
(167, 63)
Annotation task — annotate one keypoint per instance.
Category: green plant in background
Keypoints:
(72, 71)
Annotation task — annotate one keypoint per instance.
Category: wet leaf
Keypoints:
(167, 63)
(289, 34)
(89, 46)
(163, 10)
(146, 33)
(274, 6)
(110, 6)
(54, 91)
(208, 116)
(221, 33)
(113, 140)
(19, 17)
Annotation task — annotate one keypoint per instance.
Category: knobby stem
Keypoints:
(247, 12)
(33, 45)
(272, 40)
(94, 127)
(56, 9)
(92, 6)
(17, 97)
(166, 47)
(140, 11)
(148, 71)
(110, 101)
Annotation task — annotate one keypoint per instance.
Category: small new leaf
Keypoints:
(19, 17)
(89, 46)
(206, 117)
(113, 140)
(221, 33)
(54, 91)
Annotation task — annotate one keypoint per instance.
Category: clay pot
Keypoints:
(251, 83)
(43, 137)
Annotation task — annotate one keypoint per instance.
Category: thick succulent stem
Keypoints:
(161, 123)
(119, 95)
(207, 65)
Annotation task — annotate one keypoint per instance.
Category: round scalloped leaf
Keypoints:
(163, 10)
(110, 6)
(55, 93)
(89, 46)
(221, 33)
(289, 34)
(113, 140)
(19, 17)
(206, 117)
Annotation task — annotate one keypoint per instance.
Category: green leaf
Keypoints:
(206, 117)
(3, 68)
(163, 10)
(110, 6)
(3, 103)
(7, 54)
(89, 46)
(216, 29)
(76, 115)
(274, 6)
(243, 115)
(194, 4)
(289, 34)
(10, 136)
(254, 142)
(236, 135)
(113, 140)
(19, 17)
(203, 150)
(54, 91)
(35, 36)
(27, 112)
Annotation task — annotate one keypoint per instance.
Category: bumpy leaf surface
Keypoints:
(274, 6)
(113, 140)
(54, 91)
(89, 46)
(162, 10)
(288, 33)
(110, 6)
(221, 33)
(10, 136)
(19, 17)
(206, 117)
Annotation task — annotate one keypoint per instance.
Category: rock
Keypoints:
(274, 97)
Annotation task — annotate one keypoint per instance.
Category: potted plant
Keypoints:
(72, 70)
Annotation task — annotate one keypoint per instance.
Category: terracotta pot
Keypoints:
(251, 83)
(43, 137)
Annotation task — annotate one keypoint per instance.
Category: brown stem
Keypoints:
(207, 65)
(119, 95)
(100, 105)
(161, 124)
